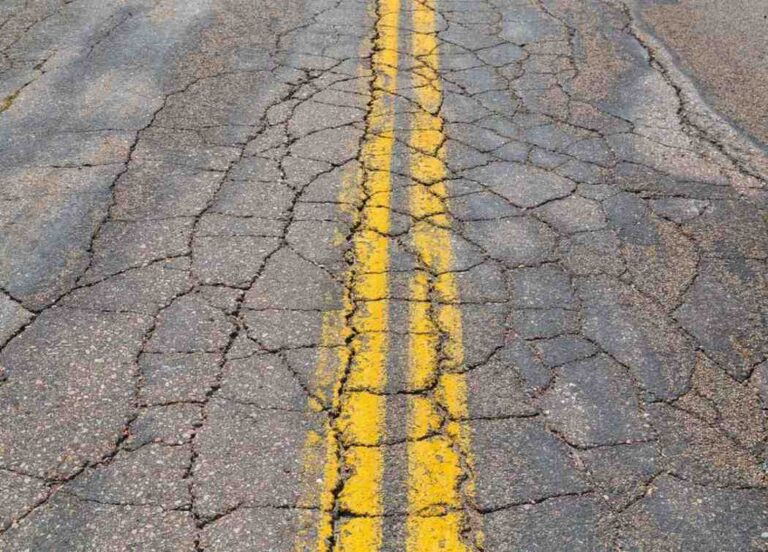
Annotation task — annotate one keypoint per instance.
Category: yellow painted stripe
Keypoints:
(354, 434)
(438, 461)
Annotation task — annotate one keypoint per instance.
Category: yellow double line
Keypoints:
(351, 449)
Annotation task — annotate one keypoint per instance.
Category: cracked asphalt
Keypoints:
(377, 275)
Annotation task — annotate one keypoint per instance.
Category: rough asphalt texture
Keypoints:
(174, 226)
(723, 46)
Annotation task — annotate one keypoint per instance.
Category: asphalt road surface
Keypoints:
(723, 47)
(378, 275)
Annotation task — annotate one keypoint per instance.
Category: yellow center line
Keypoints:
(353, 458)
(352, 379)
(439, 455)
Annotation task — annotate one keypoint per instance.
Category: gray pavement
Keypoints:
(723, 47)
(178, 234)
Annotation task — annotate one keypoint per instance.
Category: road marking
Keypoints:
(438, 462)
(354, 433)
(439, 456)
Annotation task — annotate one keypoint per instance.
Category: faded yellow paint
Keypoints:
(357, 424)
(331, 356)
(438, 463)
(320, 452)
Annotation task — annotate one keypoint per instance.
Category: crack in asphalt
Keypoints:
(621, 235)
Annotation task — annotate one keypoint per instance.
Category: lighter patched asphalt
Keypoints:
(377, 275)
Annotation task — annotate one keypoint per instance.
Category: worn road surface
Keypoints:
(378, 275)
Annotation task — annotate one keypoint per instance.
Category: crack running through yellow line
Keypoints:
(354, 463)
(350, 451)
(437, 461)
